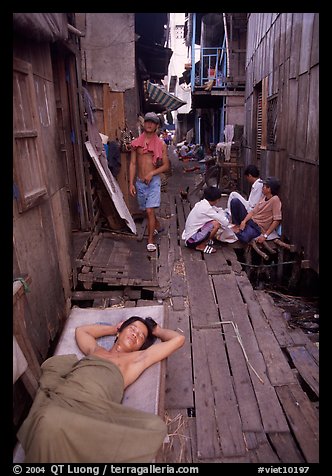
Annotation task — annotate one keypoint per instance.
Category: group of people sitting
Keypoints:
(254, 219)
(188, 151)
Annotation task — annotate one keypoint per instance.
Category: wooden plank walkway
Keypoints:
(244, 388)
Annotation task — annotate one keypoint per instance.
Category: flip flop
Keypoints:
(208, 250)
(151, 247)
(156, 232)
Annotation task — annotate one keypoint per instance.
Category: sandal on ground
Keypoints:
(208, 249)
(151, 247)
(156, 232)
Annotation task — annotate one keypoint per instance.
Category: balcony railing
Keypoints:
(212, 67)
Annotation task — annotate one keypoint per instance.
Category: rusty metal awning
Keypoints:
(159, 95)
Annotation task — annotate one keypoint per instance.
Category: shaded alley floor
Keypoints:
(245, 386)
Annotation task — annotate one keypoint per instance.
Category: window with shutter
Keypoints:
(272, 106)
(261, 116)
(29, 181)
(259, 124)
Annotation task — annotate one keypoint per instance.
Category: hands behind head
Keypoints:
(119, 324)
(153, 325)
(151, 321)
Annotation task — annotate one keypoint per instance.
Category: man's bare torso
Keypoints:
(144, 163)
(124, 360)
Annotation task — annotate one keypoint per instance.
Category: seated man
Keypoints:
(184, 151)
(251, 173)
(263, 219)
(77, 415)
(203, 222)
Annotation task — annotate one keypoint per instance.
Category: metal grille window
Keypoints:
(179, 32)
(272, 105)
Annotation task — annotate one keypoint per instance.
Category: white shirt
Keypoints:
(201, 214)
(184, 150)
(255, 194)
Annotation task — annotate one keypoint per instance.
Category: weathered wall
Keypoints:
(109, 48)
(282, 59)
(41, 233)
(234, 110)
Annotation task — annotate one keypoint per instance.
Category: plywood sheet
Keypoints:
(112, 188)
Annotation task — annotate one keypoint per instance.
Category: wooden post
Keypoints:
(31, 376)
(258, 250)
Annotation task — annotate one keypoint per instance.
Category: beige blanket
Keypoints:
(77, 417)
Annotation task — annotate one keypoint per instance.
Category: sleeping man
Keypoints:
(77, 415)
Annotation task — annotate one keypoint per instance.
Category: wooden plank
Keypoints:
(285, 335)
(271, 412)
(306, 366)
(302, 419)
(295, 44)
(216, 263)
(213, 387)
(203, 309)
(180, 447)
(80, 243)
(313, 349)
(231, 258)
(178, 285)
(141, 229)
(186, 209)
(74, 93)
(30, 382)
(91, 248)
(115, 256)
(163, 271)
(20, 332)
(163, 250)
(180, 214)
(179, 383)
(278, 368)
(227, 293)
(312, 148)
(302, 112)
(306, 42)
(173, 230)
(91, 295)
(178, 303)
(276, 320)
(264, 453)
(189, 254)
(286, 448)
(111, 186)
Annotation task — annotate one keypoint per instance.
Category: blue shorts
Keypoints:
(148, 195)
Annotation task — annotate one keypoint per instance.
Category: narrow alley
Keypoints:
(244, 391)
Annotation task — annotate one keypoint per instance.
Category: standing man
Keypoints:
(251, 173)
(148, 159)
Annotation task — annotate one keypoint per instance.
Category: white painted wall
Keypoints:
(179, 58)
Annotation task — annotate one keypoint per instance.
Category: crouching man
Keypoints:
(204, 221)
